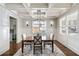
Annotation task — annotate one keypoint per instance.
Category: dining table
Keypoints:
(30, 39)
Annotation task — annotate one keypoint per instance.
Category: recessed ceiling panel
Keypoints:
(39, 5)
(14, 5)
(61, 5)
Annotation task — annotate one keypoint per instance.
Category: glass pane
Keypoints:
(38, 26)
(35, 22)
(35, 25)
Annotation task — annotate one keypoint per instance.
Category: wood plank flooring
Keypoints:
(14, 47)
(64, 49)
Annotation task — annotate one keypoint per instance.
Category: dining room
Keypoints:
(40, 29)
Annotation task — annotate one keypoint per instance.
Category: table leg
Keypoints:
(52, 47)
(22, 47)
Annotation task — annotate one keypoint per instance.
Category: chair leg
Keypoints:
(30, 47)
(33, 50)
(22, 47)
(41, 50)
(52, 47)
(44, 46)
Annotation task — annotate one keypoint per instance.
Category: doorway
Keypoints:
(13, 29)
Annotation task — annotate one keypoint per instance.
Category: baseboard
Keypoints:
(4, 50)
(74, 50)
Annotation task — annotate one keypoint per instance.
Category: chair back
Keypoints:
(37, 40)
(51, 36)
(44, 37)
(24, 36)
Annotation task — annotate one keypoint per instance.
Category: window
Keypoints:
(72, 22)
(38, 26)
(63, 25)
(68, 24)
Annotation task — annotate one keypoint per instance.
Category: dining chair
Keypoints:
(25, 42)
(37, 44)
(49, 41)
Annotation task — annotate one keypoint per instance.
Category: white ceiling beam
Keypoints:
(27, 7)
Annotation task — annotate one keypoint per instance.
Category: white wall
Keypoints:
(22, 28)
(50, 29)
(5, 28)
(70, 41)
(27, 29)
(19, 30)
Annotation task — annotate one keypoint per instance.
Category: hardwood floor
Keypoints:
(64, 49)
(15, 47)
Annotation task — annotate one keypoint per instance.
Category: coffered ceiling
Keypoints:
(47, 10)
